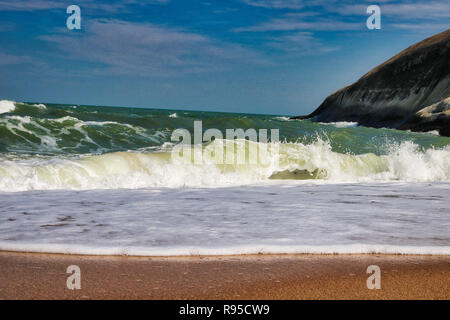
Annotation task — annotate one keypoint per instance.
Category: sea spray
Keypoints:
(6, 106)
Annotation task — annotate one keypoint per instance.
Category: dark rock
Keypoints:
(397, 93)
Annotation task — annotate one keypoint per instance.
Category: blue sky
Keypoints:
(256, 56)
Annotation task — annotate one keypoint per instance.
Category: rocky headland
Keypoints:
(410, 91)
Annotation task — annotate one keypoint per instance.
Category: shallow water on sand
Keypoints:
(292, 217)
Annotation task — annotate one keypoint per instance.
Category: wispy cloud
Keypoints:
(313, 16)
(121, 47)
(425, 10)
(26, 5)
(107, 6)
(293, 23)
(402, 10)
(276, 4)
(405, 15)
(300, 43)
(426, 27)
(8, 59)
(433, 13)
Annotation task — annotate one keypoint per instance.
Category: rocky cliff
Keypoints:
(409, 91)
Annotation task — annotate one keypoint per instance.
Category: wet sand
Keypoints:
(43, 276)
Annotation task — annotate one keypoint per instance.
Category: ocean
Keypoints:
(101, 180)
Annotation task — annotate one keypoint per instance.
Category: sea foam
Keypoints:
(393, 218)
(6, 106)
(295, 161)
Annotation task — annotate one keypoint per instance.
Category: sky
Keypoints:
(250, 56)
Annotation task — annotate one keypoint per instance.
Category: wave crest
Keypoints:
(7, 106)
(71, 135)
(296, 161)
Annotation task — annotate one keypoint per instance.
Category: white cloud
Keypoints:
(402, 10)
(338, 15)
(108, 6)
(425, 10)
(293, 24)
(300, 43)
(276, 4)
(146, 49)
(27, 5)
(426, 27)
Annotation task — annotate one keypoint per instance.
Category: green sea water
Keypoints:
(52, 129)
(63, 146)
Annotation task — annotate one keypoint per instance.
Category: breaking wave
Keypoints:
(46, 146)
(6, 106)
(71, 135)
(292, 161)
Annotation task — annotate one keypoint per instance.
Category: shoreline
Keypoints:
(241, 277)
(217, 256)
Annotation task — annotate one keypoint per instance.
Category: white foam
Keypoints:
(240, 250)
(6, 106)
(393, 218)
(342, 124)
(283, 118)
(40, 106)
(405, 162)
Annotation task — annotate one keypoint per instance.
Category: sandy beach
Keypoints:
(43, 276)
